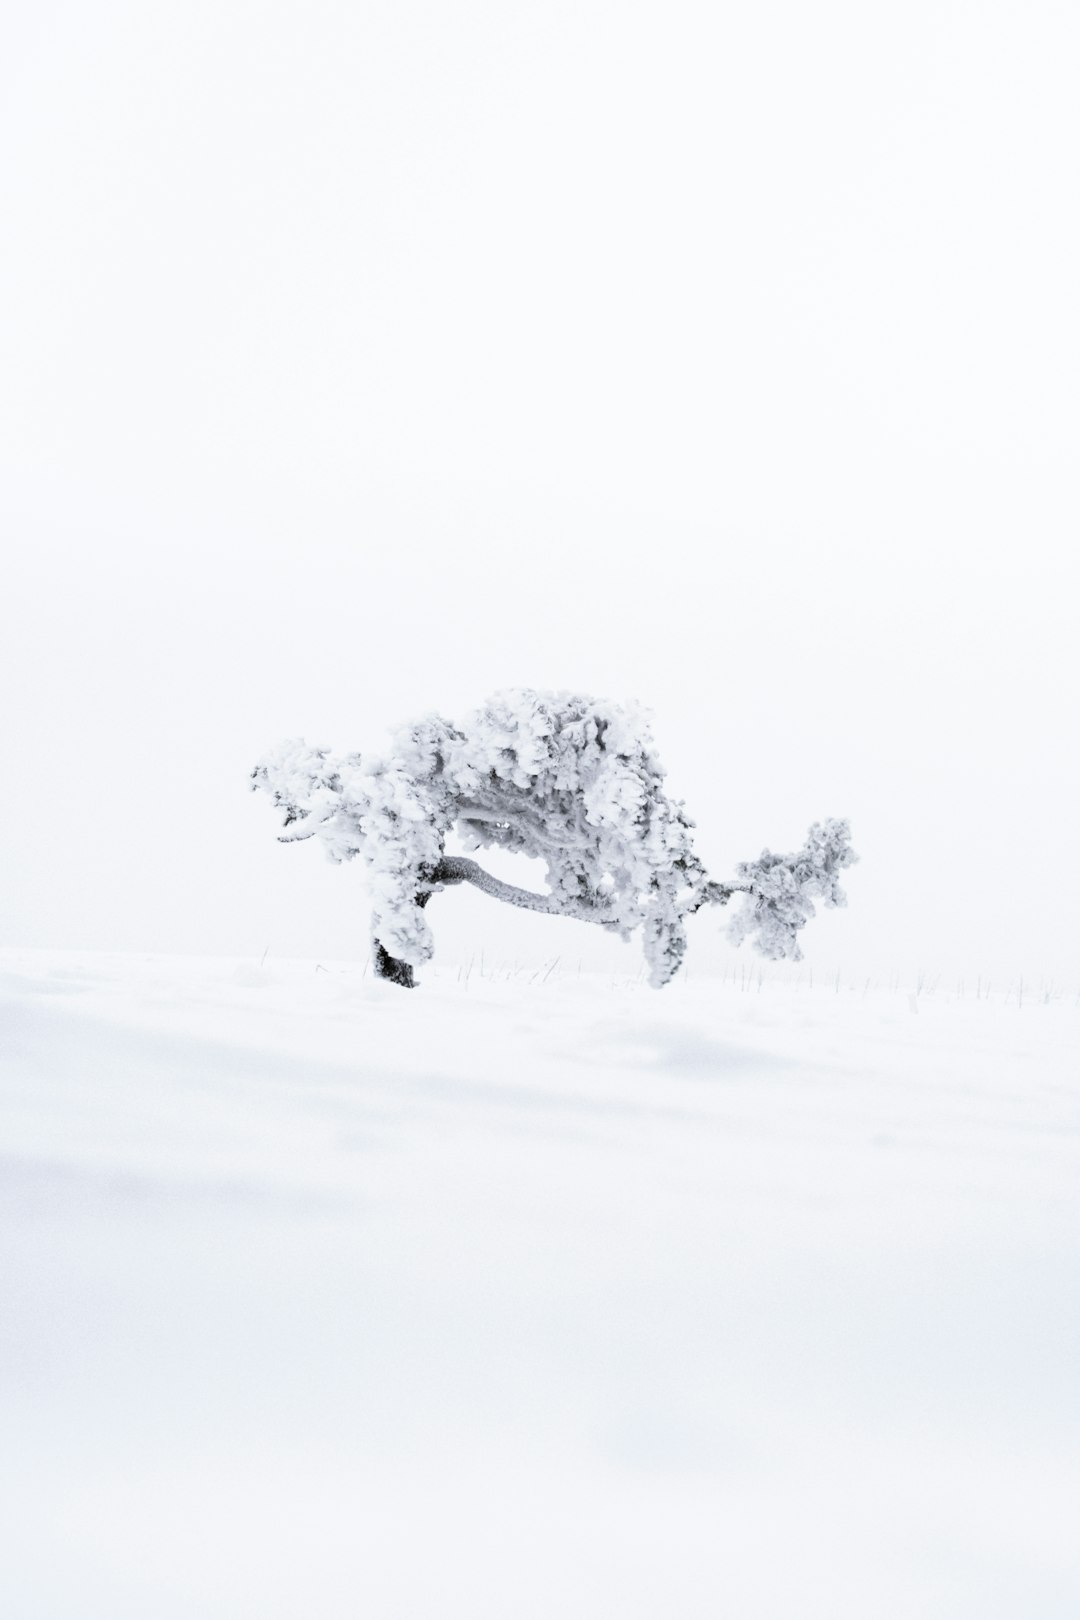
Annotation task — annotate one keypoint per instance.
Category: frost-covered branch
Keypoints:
(781, 889)
(458, 869)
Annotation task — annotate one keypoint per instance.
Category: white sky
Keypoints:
(357, 360)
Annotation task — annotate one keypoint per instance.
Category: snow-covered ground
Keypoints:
(522, 1297)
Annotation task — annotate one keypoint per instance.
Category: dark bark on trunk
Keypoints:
(392, 968)
(389, 967)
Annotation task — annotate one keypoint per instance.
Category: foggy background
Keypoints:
(360, 359)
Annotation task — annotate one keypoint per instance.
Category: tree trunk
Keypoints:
(391, 967)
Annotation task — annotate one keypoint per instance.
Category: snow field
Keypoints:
(533, 1297)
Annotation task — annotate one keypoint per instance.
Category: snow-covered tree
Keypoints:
(570, 779)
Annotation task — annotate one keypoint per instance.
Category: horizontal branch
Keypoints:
(458, 869)
(715, 894)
